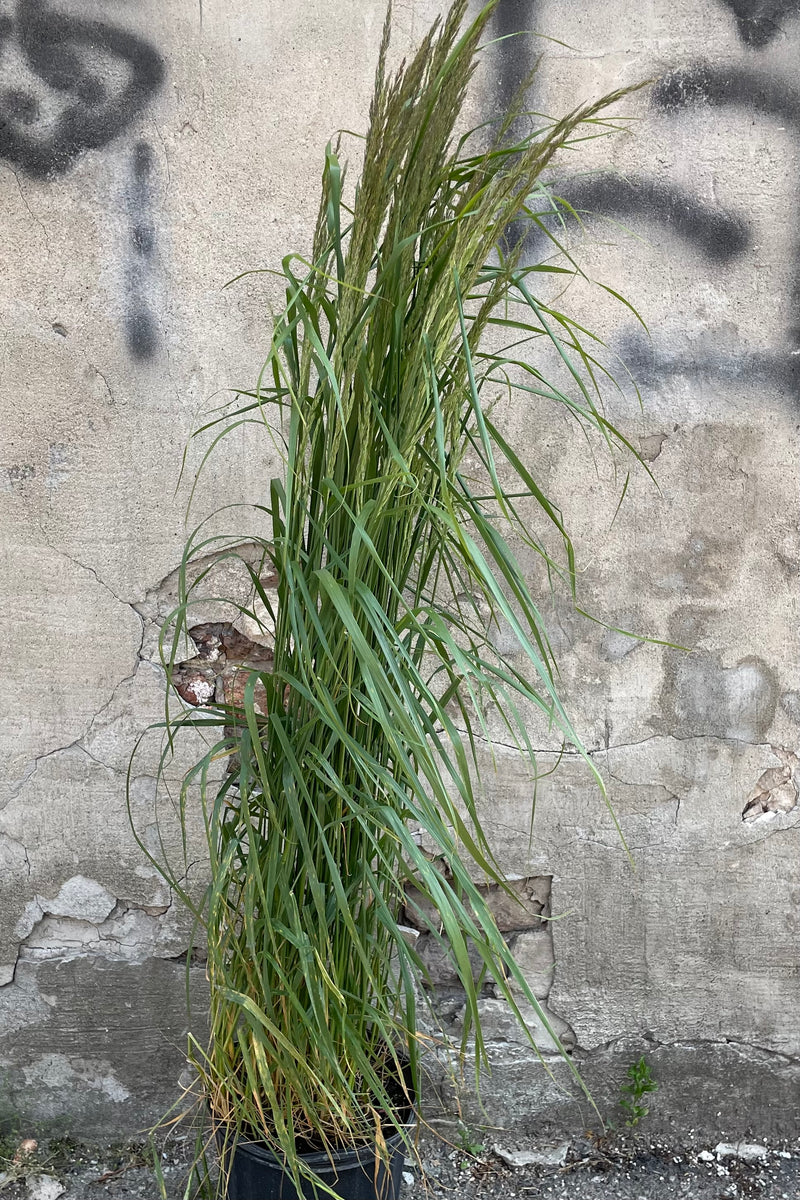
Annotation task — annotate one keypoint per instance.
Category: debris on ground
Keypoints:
(544, 1156)
(747, 1151)
(44, 1187)
(622, 1165)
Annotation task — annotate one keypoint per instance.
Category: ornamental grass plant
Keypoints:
(390, 536)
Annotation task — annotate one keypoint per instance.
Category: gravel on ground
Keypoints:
(624, 1165)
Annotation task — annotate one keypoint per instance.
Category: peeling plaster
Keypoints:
(130, 934)
(80, 898)
(527, 927)
(85, 920)
(776, 790)
(650, 446)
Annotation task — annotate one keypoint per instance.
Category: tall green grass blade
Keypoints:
(388, 553)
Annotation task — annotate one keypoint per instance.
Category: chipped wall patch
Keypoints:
(57, 1072)
(776, 790)
(81, 898)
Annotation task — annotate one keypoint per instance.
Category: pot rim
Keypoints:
(334, 1161)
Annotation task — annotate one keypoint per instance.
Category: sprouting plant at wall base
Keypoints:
(389, 532)
(467, 1141)
(640, 1083)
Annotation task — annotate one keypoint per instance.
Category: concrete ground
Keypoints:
(617, 1167)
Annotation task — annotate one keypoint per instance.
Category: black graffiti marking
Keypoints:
(20, 106)
(758, 20)
(141, 333)
(516, 55)
(718, 235)
(721, 237)
(143, 234)
(516, 58)
(752, 88)
(649, 364)
(144, 165)
(141, 326)
(77, 61)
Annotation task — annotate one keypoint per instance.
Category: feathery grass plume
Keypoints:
(387, 554)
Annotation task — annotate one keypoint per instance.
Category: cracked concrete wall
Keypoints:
(148, 156)
(691, 955)
(148, 153)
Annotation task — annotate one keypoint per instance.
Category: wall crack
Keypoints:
(624, 1042)
(36, 219)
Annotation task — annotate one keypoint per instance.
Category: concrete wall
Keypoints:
(150, 152)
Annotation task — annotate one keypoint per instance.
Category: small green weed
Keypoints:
(640, 1082)
(467, 1143)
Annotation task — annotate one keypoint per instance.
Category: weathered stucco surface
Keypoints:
(149, 153)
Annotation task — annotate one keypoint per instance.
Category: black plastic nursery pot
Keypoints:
(256, 1174)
